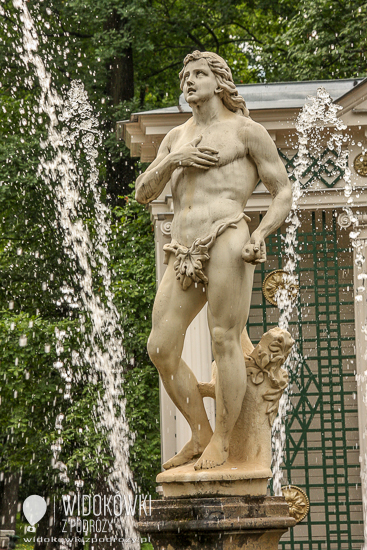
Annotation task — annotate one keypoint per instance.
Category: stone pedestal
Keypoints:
(217, 523)
(230, 479)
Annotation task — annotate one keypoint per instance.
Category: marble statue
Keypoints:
(214, 161)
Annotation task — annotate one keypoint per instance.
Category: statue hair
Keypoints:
(229, 94)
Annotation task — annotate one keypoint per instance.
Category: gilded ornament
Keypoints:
(277, 280)
(297, 500)
(360, 164)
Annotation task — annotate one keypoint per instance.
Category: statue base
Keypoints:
(221, 523)
(230, 479)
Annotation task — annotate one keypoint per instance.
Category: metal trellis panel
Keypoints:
(322, 454)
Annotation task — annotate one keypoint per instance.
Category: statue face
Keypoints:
(200, 83)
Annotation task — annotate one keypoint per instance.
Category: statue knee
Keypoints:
(153, 349)
(222, 338)
(159, 353)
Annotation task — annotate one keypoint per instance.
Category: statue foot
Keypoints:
(214, 455)
(190, 451)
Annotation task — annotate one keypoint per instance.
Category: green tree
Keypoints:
(315, 40)
(132, 249)
(35, 378)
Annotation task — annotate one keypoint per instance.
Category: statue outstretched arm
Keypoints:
(150, 184)
(274, 176)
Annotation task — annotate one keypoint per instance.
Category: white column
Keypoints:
(360, 293)
(175, 431)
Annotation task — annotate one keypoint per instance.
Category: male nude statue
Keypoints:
(214, 161)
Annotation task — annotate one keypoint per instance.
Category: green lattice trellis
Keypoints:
(320, 168)
(322, 429)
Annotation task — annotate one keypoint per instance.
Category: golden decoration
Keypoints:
(275, 280)
(360, 164)
(297, 500)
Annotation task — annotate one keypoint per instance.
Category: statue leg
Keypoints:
(229, 296)
(173, 311)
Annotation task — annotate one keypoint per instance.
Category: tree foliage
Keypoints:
(132, 248)
(34, 384)
(315, 40)
(128, 54)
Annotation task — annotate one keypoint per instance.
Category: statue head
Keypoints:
(229, 93)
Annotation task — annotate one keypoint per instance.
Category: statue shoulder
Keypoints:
(173, 135)
(250, 127)
(254, 135)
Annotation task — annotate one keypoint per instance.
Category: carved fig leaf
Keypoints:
(267, 359)
(271, 395)
(274, 395)
(272, 409)
(263, 359)
(249, 360)
(257, 375)
(277, 344)
(272, 415)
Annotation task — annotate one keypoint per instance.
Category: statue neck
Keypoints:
(208, 112)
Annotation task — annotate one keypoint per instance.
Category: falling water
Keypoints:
(102, 348)
(318, 118)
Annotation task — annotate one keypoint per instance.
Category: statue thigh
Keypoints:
(173, 311)
(230, 282)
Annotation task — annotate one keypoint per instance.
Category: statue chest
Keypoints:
(223, 137)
